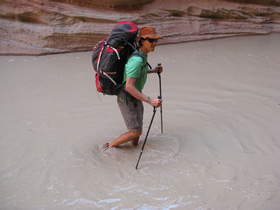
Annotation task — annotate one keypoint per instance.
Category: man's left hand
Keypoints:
(157, 69)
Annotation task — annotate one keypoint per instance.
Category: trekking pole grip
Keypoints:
(159, 65)
(159, 77)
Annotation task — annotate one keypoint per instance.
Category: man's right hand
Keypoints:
(155, 102)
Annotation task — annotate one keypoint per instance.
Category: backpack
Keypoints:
(110, 55)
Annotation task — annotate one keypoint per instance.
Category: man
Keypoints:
(131, 98)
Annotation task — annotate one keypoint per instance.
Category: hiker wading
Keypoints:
(130, 99)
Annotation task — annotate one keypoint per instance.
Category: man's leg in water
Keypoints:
(132, 111)
(125, 137)
(135, 141)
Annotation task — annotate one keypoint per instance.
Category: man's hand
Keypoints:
(158, 69)
(155, 102)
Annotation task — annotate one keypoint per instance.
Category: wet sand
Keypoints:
(220, 148)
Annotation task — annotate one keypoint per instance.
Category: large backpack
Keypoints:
(110, 56)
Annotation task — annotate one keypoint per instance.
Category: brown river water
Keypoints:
(220, 148)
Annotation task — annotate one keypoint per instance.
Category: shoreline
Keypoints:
(160, 44)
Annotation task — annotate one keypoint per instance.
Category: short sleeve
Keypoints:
(133, 67)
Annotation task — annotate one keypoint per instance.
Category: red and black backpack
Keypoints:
(110, 56)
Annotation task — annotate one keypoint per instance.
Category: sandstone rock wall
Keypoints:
(36, 27)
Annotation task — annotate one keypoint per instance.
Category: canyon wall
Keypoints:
(37, 27)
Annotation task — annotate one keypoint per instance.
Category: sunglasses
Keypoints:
(150, 39)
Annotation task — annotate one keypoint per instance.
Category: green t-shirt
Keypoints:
(136, 68)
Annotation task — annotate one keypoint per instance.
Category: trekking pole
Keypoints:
(154, 112)
(161, 120)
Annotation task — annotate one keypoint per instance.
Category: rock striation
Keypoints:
(37, 27)
(117, 4)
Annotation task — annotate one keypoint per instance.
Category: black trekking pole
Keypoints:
(154, 112)
(161, 120)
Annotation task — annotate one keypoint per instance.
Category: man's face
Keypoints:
(150, 44)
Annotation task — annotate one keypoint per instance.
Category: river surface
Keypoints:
(220, 148)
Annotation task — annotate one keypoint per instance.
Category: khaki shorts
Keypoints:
(132, 111)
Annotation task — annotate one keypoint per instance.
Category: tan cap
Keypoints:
(149, 32)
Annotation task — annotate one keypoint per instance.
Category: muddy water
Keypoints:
(220, 148)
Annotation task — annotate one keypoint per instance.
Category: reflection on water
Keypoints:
(220, 143)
